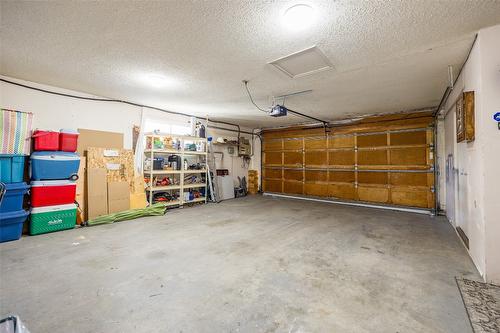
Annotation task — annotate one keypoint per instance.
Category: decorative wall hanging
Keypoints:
(465, 117)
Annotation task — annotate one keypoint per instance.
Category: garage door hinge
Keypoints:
(433, 189)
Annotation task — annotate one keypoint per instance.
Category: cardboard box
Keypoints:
(97, 190)
(92, 138)
(118, 197)
(81, 188)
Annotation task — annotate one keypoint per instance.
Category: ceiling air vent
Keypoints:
(302, 63)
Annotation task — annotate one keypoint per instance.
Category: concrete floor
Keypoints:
(255, 264)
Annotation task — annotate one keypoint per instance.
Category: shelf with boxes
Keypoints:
(173, 164)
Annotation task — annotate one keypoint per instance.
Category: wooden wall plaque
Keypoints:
(469, 116)
(465, 117)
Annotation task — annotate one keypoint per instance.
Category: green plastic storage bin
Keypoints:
(52, 218)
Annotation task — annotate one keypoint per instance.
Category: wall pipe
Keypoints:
(117, 101)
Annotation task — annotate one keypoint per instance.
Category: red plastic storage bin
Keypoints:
(52, 192)
(46, 140)
(68, 140)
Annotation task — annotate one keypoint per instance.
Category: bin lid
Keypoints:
(55, 155)
(46, 209)
(12, 155)
(69, 131)
(37, 183)
(7, 217)
(16, 186)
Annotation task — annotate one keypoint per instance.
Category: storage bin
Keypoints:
(13, 198)
(52, 218)
(46, 140)
(11, 168)
(52, 192)
(51, 165)
(68, 140)
(11, 225)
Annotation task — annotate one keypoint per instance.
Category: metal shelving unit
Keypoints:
(165, 152)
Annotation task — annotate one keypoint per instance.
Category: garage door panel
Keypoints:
(272, 158)
(373, 194)
(316, 189)
(293, 187)
(316, 176)
(292, 144)
(272, 185)
(293, 158)
(373, 140)
(373, 177)
(315, 158)
(409, 156)
(410, 179)
(272, 173)
(389, 165)
(342, 141)
(410, 197)
(293, 175)
(272, 145)
(342, 157)
(408, 138)
(372, 157)
(316, 143)
(342, 191)
(342, 176)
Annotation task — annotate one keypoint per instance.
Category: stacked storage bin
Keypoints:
(12, 214)
(15, 135)
(54, 169)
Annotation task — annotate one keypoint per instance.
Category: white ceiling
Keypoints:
(388, 56)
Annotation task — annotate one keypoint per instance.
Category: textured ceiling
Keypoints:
(388, 55)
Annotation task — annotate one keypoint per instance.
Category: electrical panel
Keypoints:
(245, 149)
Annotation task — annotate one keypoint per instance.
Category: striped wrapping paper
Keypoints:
(15, 132)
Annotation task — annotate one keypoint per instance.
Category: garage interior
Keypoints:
(250, 166)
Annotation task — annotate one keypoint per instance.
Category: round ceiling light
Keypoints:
(158, 81)
(299, 17)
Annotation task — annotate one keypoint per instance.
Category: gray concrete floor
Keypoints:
(255, 264)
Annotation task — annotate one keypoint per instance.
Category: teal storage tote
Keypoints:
(11, 168)
(52, 218)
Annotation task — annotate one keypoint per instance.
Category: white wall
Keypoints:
(490, 69)
(476, 209)
(56, 112)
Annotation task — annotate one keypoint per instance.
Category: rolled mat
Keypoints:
(156, 209)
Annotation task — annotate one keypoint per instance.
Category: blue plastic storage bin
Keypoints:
(11, 168)
(50, 165)
(13, 198)
(11, 225)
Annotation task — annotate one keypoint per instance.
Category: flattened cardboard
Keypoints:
(97, 203)
(81, 192)
(92, 138)
(118, 197)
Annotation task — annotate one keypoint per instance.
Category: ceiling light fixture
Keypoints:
(299, 17)
(158, 81)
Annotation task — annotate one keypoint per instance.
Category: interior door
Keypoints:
(450, 188)
(451, 167)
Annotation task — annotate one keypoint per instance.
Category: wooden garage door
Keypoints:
(385, 160)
